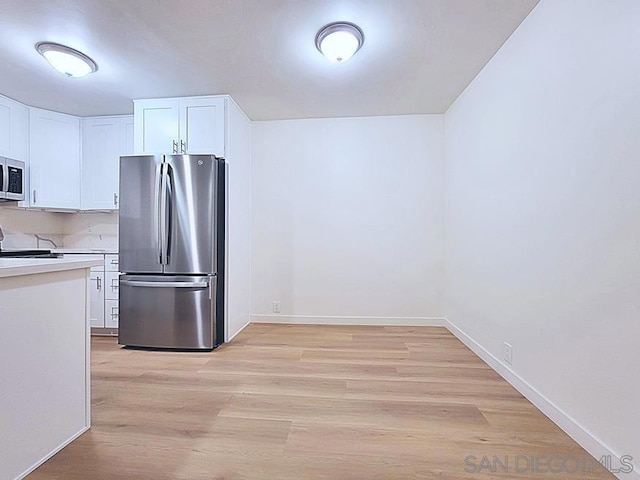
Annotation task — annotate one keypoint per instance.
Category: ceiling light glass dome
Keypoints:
(66, 60)
(339, 41)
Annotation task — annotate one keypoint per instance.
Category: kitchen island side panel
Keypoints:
(44, 367)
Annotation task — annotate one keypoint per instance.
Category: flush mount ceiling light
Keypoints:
(66, 60)
(339, 41)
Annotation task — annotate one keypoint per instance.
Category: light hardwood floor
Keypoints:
(296, 402)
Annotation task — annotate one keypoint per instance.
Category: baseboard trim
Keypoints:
(239, 330)
(594, 446)
(50, 454)
(353, 320)
(104, 332)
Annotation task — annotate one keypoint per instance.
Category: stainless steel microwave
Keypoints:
(12, 173)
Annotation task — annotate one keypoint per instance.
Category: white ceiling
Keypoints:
(417, 57)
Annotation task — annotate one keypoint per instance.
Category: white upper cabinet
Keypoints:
(14, 129)
(54, 154)
(156, 126)
(104, 139)
(126, 135)
(180, 125)
(202, 126)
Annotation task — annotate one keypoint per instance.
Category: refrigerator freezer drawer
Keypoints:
(168, 311)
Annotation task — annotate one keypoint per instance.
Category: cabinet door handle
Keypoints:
(183, 146)
(115, 199)
(34, 196)
(98, 283)
(175, 147)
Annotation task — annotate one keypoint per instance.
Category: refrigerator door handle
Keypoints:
(157, 220)
(139, 283)
(163, 215)
(169, 213)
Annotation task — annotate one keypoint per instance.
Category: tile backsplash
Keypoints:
(38, 229)
(91, 230)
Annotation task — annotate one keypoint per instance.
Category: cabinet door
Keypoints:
(202, 125)
(126, 147)
(112, 262)
(54, 143)
(96, 298)
(111, 285)
(14, 136)
(100, 156)
(126, 135)
(156, 126)
(104, 139)
(14, 129)
(111, 314)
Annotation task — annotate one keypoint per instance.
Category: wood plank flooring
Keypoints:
(294, 402)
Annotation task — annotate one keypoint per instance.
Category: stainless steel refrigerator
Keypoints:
(171, 236)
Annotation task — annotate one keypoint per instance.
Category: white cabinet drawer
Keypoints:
(96, 297)
(111, 263)
(111, 313)
(111, 285)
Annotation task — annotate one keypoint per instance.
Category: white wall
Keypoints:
(348, 218)
(238, 301)
(543, 211)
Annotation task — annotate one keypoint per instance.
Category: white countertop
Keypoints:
(85, 250)
(12, 267)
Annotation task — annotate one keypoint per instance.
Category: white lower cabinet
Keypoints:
(103, 291)
(96, 297)
(111, 313)
(111, 295)
(112, 284)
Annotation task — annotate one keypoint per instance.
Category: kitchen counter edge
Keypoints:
(13, 267)
(85, 251)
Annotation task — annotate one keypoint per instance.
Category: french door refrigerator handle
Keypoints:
(163, 215)
(139, 283)
(169, 213)
(158, 212)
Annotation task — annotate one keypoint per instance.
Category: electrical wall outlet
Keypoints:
(276, 307)
(508, 353)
